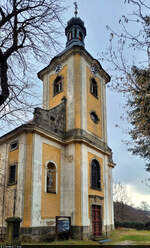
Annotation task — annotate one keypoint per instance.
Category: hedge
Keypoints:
(135, 225)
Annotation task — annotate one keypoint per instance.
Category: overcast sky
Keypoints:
(129, 169)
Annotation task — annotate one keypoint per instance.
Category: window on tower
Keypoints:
(70, 35)
(13, 145)
(58, 85)
(75, 33)
(80, 36)
(12, 174)
(93, 87)
(94, 117)
(51, 178)
(95, 175)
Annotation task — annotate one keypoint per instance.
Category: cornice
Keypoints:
(62, 57)
(72, 136)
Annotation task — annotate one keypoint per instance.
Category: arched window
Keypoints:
(80, 36)
(51, 178)
(93, 87)
(95, 175)
(58, 85)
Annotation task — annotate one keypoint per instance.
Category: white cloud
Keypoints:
(137, 197)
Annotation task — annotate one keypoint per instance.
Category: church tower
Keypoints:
(76, 78)
(59, 164)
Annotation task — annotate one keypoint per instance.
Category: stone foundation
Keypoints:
(29, 234)
(37, 234)
(80, 232)
(107, 230)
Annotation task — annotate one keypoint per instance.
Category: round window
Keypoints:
(94, 117)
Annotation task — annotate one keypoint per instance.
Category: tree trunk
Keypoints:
(3, 81)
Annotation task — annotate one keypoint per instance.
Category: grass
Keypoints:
(66, 242)
(134, 236)
(75, 242)
(119, 236)
(131, 236)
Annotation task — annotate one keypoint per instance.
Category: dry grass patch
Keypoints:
(130, 235)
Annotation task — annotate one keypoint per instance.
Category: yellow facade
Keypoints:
(77, 184)
(50, 202)
(55, 100)
(28, 181)
(93, 191)
(9, 191)
(94, 104)
(90, 190)
(13, 156)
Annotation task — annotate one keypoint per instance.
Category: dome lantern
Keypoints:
(75, 31)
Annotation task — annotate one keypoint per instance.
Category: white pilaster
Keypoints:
(21, 174)
(70, 94)
(104, 113)
(68, 182)
(84, 186)
(106, 193)
(36, 180)
(83, 95)
(46, 94)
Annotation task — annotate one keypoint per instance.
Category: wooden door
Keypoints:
(96, 220)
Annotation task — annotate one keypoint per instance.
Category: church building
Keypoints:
(59, 164)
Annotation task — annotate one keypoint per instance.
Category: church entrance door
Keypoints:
(96, 220)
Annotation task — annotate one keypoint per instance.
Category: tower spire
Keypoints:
(76, 9)
(75, 30)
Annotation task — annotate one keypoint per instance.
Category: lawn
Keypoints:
(132, 236)
(67, 242)
(121, 236)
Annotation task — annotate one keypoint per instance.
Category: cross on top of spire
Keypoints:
(76, 9)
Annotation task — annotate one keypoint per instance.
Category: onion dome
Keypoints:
(75, 32)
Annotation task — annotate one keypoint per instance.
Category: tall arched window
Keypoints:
(93, 87)
(95, 175)
(51, 178)
(58, 85)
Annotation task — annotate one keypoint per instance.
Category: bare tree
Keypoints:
(29, 31)
(129, 56)
(120, 198)
(144, 206)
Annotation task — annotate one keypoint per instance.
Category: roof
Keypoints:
(69, 50)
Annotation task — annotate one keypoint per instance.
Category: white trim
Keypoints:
(21, 176)
(46, 87)
(106, 193)
(104, 112)
(83, 94)
(70, 113)
(36, 180)
(67, 199)
(84, 186)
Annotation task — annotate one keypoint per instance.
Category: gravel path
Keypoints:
(126, 242)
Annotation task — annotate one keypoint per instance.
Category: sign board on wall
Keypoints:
(63, 226)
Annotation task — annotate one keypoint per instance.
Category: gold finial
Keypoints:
(76, 9)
